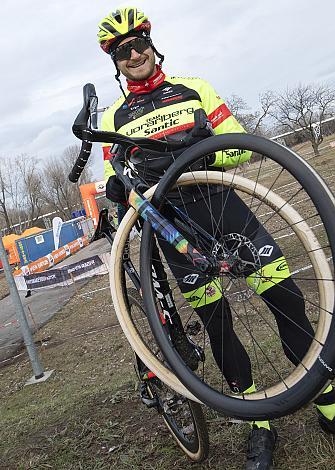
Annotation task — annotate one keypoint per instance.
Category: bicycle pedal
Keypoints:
(150, 402)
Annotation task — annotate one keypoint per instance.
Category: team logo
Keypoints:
(282, 266)
(210, 291)
(50, 258)
(25, 270)
(191, 279)
(266, 250)
(137, 112)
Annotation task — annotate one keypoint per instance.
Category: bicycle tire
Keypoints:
(304, 384)
(194, 442)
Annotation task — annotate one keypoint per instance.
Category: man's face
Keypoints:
(139, 66)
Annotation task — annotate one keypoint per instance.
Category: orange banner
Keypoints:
(56, 256)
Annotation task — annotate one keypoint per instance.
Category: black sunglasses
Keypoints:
(123, 52)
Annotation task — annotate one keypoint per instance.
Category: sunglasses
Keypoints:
(123, 52)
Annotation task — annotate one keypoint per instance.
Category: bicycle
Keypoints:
(183, 417)
(228, 260)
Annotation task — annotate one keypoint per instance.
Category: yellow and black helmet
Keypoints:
(120, 24)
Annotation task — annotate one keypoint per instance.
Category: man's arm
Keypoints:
(223, 122)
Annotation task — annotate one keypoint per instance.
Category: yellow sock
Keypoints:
(327, 410)
(261, 424)
(258, 424)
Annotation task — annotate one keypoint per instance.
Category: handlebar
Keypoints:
(81, 161)
(85, 125)
(87, 113)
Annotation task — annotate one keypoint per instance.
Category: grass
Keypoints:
(87, 415)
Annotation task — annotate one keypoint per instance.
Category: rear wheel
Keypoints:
(183, 418)
(296, 208)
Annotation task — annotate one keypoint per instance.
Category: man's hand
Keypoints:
(115, 191)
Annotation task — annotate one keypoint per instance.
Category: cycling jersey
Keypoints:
(163, 107)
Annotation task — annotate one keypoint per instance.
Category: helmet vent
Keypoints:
(117, 16)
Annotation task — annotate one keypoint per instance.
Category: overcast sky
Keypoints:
(49, 51)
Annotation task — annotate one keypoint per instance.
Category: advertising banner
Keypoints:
(64, 276)
(51, 278)
(57, 223)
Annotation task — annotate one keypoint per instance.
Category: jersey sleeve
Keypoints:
(223, 122)
(107, 124)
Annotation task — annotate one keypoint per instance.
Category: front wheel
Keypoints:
(270, 333)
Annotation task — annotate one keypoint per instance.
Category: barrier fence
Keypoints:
(63, 276)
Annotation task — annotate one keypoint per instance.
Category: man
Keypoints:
(162, 107)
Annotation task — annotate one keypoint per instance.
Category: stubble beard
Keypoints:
(150, 63)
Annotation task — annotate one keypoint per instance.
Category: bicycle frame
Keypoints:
(164, 228)
(169, 311)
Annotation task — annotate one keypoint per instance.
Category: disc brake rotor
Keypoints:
(243, 258)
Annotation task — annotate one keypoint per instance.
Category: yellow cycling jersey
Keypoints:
(165, 110)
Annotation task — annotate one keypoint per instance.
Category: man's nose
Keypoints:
(134, 54)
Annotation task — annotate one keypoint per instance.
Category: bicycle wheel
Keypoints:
(285, 379)
(183, 418)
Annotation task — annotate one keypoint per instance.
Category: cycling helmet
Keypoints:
(118, 25)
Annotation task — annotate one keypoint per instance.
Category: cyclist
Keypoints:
(157, 106)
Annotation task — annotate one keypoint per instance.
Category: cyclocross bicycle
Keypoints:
(183, 417)
(295, 206)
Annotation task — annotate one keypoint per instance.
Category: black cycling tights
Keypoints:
(286, 303)
(229, 215)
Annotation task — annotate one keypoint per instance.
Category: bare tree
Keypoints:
(28, 190)
(4, 196)
(237, 106)
(267, 102)
(305, 107)
(253, 122)
(10, 190)
(31, 182)
(62, 195)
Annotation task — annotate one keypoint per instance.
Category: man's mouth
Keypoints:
(135, 66)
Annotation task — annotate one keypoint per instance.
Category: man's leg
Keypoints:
(325, 405)
(286, 302)
(213, 309)
(234, 363)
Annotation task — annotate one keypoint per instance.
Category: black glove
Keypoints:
(115, 191)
